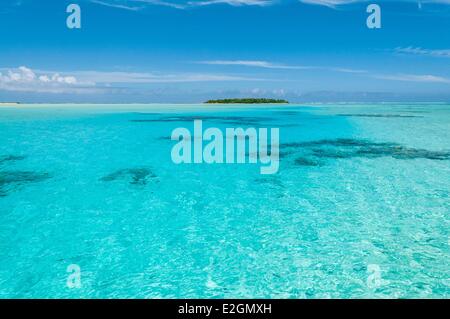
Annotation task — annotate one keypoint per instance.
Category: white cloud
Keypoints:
(414, 78)
(336, 3)
(259, 64)
(271, 65)
(131, 4)
(329, 3)
(235, 3)
(116, 5)
(135, 5)
(145, 77)
(421, 51)
(26, 79)
(346, 70)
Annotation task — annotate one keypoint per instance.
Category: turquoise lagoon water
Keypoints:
(359, 208)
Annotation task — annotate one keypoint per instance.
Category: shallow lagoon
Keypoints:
(358, 185)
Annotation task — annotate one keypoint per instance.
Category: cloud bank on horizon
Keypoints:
(27, 80)
(24, 79)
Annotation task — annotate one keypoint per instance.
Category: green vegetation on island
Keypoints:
(247, 101)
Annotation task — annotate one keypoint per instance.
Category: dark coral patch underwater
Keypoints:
(380, 115)
(303, 161)
(135, 176)
(312, 151)
(12, 180)
(340, 142)
(191, 118)
(225, 120)
(164, 138)
(11, 158)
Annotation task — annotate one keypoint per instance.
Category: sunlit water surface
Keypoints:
(359, 208)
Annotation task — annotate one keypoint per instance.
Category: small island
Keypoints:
(247, 101)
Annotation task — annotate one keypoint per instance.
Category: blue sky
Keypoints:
(189, 51)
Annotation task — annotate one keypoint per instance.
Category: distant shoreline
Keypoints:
(247, 101)
(169, 107)
(201, 105)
